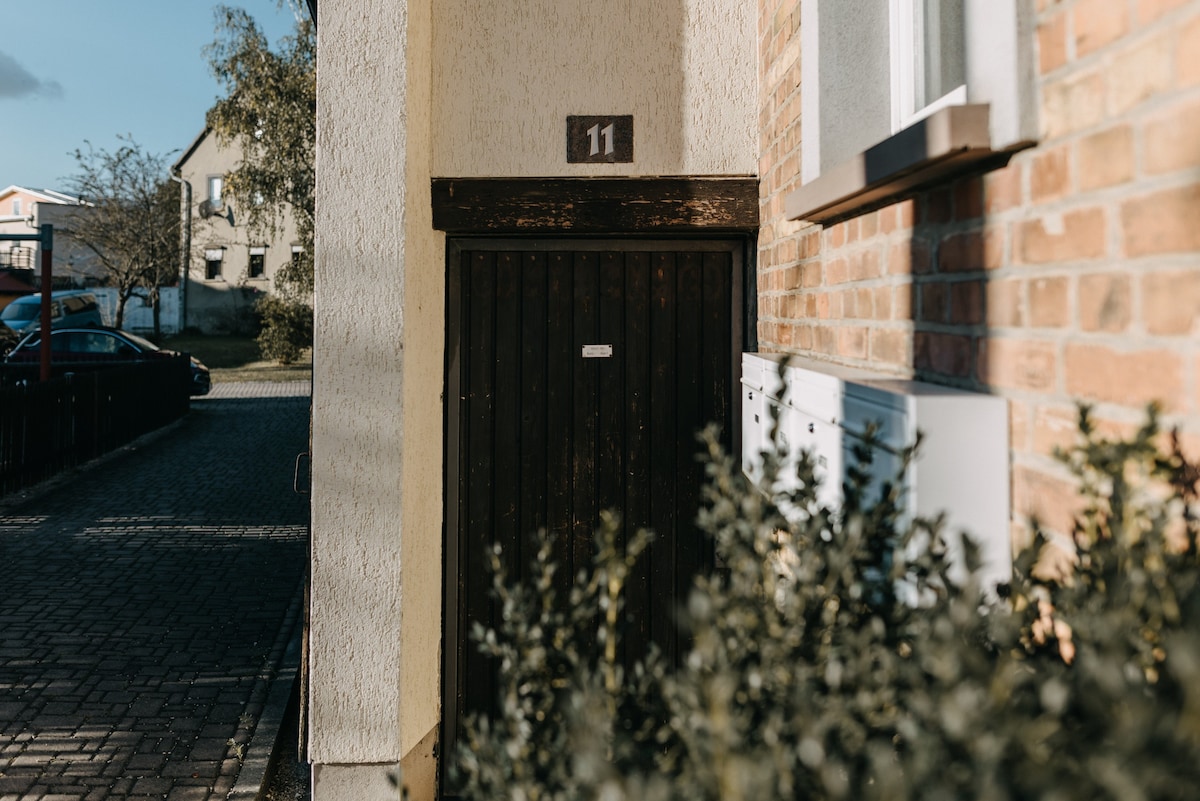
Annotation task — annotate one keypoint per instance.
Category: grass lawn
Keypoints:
(232, 358)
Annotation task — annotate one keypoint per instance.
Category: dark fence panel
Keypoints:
(46, 428)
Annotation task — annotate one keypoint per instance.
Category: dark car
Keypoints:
(90, 347)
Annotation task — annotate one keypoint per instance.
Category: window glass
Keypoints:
(20, 311)
(212, 263)
(96, 343)
(68, 342)
(941, 62)
(216, 185)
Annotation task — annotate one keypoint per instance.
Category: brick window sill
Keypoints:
(949, 142)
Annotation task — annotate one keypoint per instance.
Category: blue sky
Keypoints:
(76, 70)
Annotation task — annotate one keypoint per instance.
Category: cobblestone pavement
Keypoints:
(146, 601)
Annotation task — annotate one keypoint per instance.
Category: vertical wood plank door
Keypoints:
(578, 375)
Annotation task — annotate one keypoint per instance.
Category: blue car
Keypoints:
(69, 307)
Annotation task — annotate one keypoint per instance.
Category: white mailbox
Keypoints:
(961, 468)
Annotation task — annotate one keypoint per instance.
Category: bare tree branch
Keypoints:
(128, 217)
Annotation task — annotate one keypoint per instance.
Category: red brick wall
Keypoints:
(1072, 274)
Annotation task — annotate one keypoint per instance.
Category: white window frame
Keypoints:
(16, 207)
(998, 47)
(906, 53)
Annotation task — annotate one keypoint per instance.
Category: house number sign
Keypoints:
(600, 139)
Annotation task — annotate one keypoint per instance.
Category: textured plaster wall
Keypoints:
(376, 595)
(507, 73)
(422, 335)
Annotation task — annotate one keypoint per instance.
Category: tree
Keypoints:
(269, 112)
(128, 217)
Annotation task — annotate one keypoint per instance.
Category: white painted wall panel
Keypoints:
(962, 465)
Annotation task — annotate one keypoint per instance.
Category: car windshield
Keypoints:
(20, 311)
(144, 344)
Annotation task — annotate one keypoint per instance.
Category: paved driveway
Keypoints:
(145, 603)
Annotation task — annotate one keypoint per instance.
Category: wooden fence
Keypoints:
(49, 427)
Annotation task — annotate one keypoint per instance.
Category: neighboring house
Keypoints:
(24, 211)
(229, 266)
(545, 232)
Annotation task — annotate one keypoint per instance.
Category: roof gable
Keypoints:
(42, 195)
(191, 149)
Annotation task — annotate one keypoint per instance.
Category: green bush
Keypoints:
(833, 658)
(286, 328)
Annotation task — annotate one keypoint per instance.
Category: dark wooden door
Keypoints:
(578, 375)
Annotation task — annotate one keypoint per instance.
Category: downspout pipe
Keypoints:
(185, 256)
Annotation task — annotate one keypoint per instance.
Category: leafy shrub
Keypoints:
(812, 677)
(239, 319)
(287, 328)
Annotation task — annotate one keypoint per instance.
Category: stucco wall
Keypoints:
(1073, 274)
(507, 74)
(376, 514)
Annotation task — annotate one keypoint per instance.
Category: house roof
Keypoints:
(10, 284)
(187, 154)
(44, 195)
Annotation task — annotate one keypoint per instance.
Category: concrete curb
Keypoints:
(276, 685)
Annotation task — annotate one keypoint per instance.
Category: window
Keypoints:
(93, 342)
(16, 207)
(212, 263)
(881, 81)
(258, 262)
(216, 186)
(927, 58)
(297, 256)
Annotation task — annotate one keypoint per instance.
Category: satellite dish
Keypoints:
(206, 209)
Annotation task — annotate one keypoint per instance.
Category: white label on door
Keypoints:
(597, 351)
